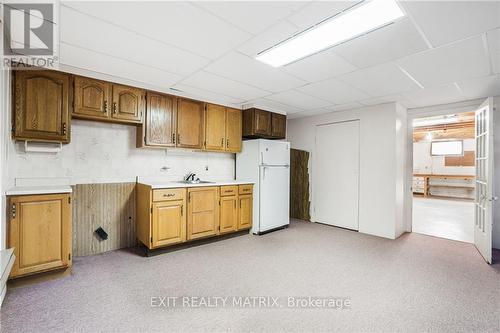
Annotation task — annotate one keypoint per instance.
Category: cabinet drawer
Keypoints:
(246, 189)
(228, 190)
(168, 194)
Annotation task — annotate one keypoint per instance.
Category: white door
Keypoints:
(274, 198)
(274, 152)
(484, 180)
(336, 174)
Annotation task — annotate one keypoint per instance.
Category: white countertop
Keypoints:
(31, 190)
(174, 184)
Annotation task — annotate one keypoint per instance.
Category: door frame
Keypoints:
(415, 113)
(313, 161)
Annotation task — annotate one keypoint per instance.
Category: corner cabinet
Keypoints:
(263, 124)
(223, 128)
(105, 101)
(42, 105)
(171, 216)
(40, 233)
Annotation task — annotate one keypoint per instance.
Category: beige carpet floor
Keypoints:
(416, 283)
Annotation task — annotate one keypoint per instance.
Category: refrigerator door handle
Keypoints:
(264, 173)
(262, 157)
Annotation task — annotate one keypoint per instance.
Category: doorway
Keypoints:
(444, 169)
(336, 180)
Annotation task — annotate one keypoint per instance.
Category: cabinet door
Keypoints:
(42, 100)
(40, 233)
(169, 223)
(215, 127)
(128, 104)
(160, 120)
(233, 130)
(262, 122)
(190, 124)
(92, 98)
(203, 212)
(228, 214)
(245, 213)
(278, 126)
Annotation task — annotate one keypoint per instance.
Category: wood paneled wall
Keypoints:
(299, 185)
(110, 206)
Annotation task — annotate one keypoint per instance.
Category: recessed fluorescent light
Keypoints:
(355, 22)
(435, 121)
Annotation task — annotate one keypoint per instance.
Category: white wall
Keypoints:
(381, 175)
(4, 137)
(106, 153)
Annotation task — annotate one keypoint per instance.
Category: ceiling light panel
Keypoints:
(355, 22)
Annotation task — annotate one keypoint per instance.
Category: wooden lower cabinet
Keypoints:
(40, 233)
(203, 212)
(245, 215)
(169, 223)
(175, 215)
(228, 214)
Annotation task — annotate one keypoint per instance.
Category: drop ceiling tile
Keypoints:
(308, 113)
(320, 66)
(85, 59)
(205, 95)
(272, 36)
(299, 100)
(494, 49)
(333, 91)
(273, 106)
(175, 22)
(317, 11)
(487, 86)
(435, 95)
(446, 21)
(136, 49)
(251, 16)
(388, 43)
(381, 80)
(343, 107)
(217, 84)
(450, 63)
(243, 69)
(382, 100)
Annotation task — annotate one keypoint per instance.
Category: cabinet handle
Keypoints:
(13, 211)
(222, 143)
(182, 210)
(234, 204)
(173, 138)
(105, 106)
(169, 195)
(227, 143)
(178, 138)
(114, 107)
(64, 129)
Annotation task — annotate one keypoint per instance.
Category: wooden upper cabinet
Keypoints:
(215, 127)
(190, 124)
(42, 103)
(40, 233)
(128, 103)
(263, 124)
(159, 124)
(278, 126)
(233, 130)
(92, 98)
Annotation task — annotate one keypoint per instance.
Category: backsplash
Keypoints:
(106, 153)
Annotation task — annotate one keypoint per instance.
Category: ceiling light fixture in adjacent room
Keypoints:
(352, 23)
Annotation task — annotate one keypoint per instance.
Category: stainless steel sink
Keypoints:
(194, 182)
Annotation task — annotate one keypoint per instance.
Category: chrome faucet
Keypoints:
(190, 177)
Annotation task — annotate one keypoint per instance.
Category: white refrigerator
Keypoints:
(267, 164)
